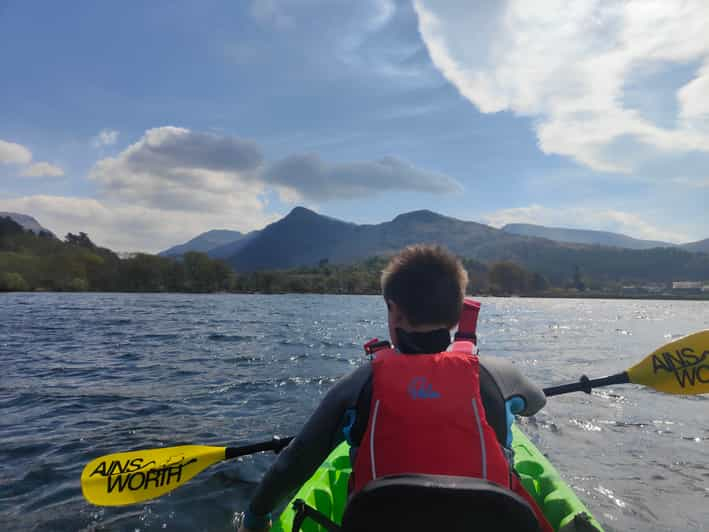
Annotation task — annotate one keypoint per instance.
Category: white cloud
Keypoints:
(105, 137)
(568, 64)
(312, 178)
(11, 153)
(164, 189)
(173, 183)
(42, 169)
(177, 169)
(585, 218)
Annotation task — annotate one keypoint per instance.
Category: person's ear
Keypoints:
(395, 315)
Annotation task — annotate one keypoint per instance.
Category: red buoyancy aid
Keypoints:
(427, 417)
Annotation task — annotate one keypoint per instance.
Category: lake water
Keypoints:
(89, 374)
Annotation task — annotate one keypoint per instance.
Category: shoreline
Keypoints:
(567, 295)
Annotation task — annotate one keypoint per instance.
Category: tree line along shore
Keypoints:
(42, 262)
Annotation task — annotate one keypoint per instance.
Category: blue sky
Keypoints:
(146, 123)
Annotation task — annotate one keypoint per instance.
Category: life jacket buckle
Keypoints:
(375, 344)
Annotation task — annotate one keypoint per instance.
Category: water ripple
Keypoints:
(90, 374)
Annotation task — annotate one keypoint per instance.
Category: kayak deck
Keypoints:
(326, 490)
(542, 481)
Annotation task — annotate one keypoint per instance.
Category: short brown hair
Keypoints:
(428, 283)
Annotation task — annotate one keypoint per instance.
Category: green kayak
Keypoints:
(326, 490)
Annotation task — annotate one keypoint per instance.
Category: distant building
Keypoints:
(687, 285)
(654, 287)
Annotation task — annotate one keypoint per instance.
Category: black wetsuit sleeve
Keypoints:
(511, 382)
(320, 434)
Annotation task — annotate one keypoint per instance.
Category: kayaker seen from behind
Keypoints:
(424, 406)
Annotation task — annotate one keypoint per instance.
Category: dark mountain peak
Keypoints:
(301, 212)
(303, 215)
(222, 233)
(204, 242)
(27, 222)
(421, 216)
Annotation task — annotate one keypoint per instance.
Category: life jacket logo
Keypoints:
(420, 388)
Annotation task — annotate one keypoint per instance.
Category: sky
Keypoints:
(144, 124)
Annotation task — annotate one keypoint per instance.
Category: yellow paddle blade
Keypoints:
(135, 476)
(680, 367)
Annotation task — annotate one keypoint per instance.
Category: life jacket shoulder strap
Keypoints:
(468, 324)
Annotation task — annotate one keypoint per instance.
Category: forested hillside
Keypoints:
(43, 262)
(30, 261)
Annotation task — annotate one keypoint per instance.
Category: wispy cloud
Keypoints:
(42, 169)
(691, 183)
(271, 12)
(374, 40)
(105, 137)
(568, 64)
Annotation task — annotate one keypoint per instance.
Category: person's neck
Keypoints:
(423, 341)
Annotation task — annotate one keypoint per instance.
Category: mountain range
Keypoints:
(305, 238)
(600, 238)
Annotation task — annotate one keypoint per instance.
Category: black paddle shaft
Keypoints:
(276, 445)
(585, 384)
